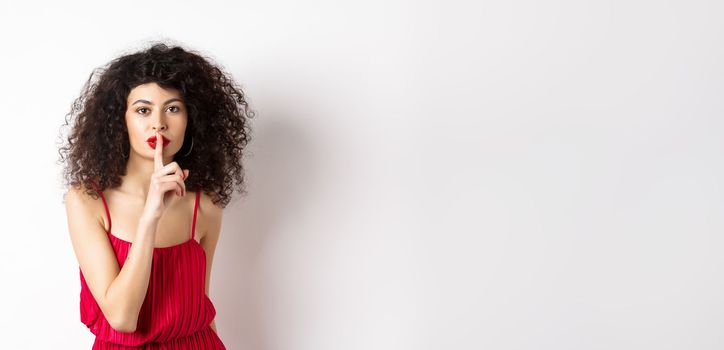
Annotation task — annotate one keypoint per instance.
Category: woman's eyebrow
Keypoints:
(149, 102)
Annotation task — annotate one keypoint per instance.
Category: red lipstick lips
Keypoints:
(152, 141)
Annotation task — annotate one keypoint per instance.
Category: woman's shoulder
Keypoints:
(207, 205)
(209, 216)
(79, 194)
(80, 201)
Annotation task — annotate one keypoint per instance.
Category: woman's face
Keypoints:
(152, 108)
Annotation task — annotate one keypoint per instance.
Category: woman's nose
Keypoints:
(159, 122)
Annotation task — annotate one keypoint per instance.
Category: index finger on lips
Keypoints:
(158, 154)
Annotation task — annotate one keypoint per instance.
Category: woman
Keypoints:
(152, 159)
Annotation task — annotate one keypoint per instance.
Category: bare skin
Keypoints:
(150, 208)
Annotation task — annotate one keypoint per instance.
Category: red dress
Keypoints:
(176, 313)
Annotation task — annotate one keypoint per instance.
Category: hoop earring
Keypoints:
(192, 147)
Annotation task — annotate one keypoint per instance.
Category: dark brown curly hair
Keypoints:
(218, 122)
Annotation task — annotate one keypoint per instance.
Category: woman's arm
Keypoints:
(211, 216)
(118, 291)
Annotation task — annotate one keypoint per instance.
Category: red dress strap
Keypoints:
(196, 208)
(108, 213)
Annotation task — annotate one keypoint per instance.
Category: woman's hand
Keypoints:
(167, 181)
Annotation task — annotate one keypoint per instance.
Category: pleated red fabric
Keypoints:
(176, 313)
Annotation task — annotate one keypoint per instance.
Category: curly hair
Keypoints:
(218, 122)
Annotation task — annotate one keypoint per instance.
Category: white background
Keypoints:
(423, 175)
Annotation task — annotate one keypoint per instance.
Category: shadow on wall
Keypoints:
(282, 168)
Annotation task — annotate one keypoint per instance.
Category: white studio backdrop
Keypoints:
(423, 175)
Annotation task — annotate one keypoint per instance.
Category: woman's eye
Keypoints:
(142, 110)
(173, 108)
